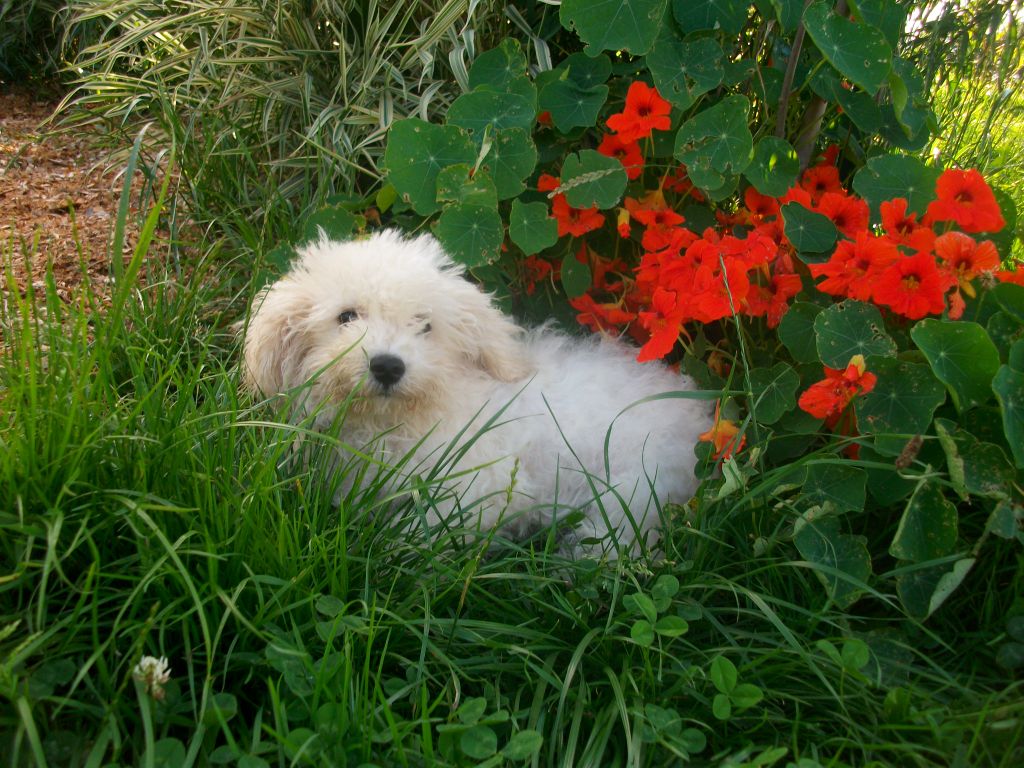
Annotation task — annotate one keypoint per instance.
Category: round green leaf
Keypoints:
(571, 105)
(796, 331)
(168, 753)
(333, 221)
(774, 167)
(903, 400)
(531, 228)
(723, 674)
(665, 588)
(457, 184)
(859, 51)
(499, 67)
(585, 71)
(1011, 298)
(613, 25)
(716, 142)
(774, 392)
(729, 16)
(575, 275)
(928, 526)
(842, 485)
(671, 626)
(861, 108)
(471, 234)
(788, 13)
(479, 742)
(962, 356)
(844, 559)
(472, 710)
(915, 589)
(850, 328)
(523, 745)
(721, 707)
(683, 70)
(642, 633)
(808, 231)
(1009, 388)
(889, 176)
(642, 604)
(746, 695)
(416, 152)
(511, 158)
(477, 110)
(591, 179)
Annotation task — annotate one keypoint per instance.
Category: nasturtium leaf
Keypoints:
(889, 176)
(774, 392)
(716, 140)
(962, 357)
(1009, 388)
(796, 331)
(887, 16)
(1005, 332)
(333, 221)
(927, 528)
(915, 588)
(586, 71)
(861, 109)
(1005, 238)
(948, 583)
(1011, 298)
(456, 184)
(844, 559)
(477, 110)
(471, 234)
(523, 745)
(1015, 357)
(479, 742)
(613, 25)
(499, 67)
(416, 152)
(1005, 520)
(729, 16)
(840, 484)
(851, 328)
(902, 402)
(572, 105)
(774, 167)
(511, 158)
(859, 51)
(531, 228)
(576, 276)
(685, 69)
(810, 232)
(589, 178)
(788, 12)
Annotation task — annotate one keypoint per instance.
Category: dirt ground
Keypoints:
(44, 176)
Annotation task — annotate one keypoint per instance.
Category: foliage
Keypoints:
(29, 35)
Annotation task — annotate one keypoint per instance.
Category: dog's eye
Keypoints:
(426, 328)
(347, 316)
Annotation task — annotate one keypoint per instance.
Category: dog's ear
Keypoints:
(488, 338)
(275, 342)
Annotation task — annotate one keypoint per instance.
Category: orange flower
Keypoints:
(911, 286)
(850, 214)
(725, 436)
(772, 300)
(828, 398)
(653, 212)
(599, 317)
(1015, 276)
(760, 205)
(852, 268)
(664, 323)
(574, 221)
(535, 270)
(820, 179)
(626, 152)
(645, 111)
(962, 259)
(548, 183)
(964, 197)
(622, 222)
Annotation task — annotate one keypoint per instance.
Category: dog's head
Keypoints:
(391, 316)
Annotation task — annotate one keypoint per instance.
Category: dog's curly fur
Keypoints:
(390, 328)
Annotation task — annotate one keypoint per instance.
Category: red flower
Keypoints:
(548, 183)
(821, 179)
(622, 222)
(964, 197)
(772, 300)
(962, 259)
(852, 268)
(828, 398)
(850, 214)
(760, 205)
(911, 286)
(653, 212)
(574, 221)
(1015, 276)
(645, 111)
(535, 271)
(725, 436)
(599, 317)
(664, 323)
(626, 152)
(679, 182)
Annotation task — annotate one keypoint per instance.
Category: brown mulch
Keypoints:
(44, 176)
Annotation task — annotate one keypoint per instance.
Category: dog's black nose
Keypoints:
(387, 369)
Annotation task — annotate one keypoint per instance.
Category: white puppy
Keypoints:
(389, 331)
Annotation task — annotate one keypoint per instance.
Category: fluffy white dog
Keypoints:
(389, 331)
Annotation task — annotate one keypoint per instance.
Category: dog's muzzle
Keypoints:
(387, 370)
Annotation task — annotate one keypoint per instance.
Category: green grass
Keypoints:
(154, 509)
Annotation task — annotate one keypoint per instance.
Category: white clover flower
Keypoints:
(153, 673)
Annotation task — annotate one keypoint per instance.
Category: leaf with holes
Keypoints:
(416, 153)
(844, 559)
(850, 328)
(716, 142)
(478, 110)
(810, 232)
(683, 70)
(531, 228)
(591, 179)
(730, 16)
(902, 403)
(511, 158)
(842, 485)
(471, 234)
(774, 167)
(774, 392)
(859, 51)
(927, 528)
(890, 176)
(613, 25)
(962, 356)
(456, 184)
